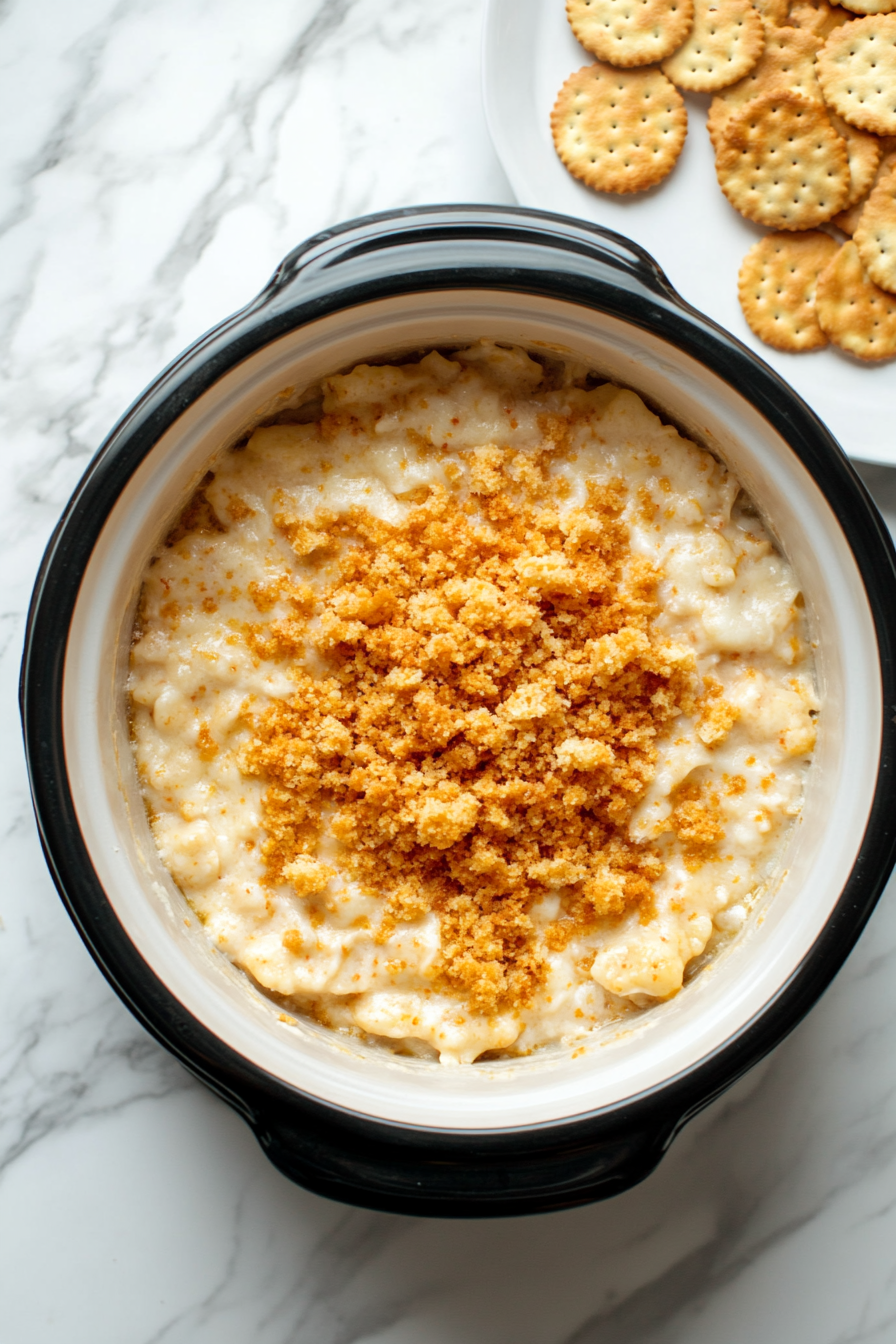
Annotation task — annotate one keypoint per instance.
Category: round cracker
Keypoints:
(852, 311)
(776, 288)
(863, 152)
(875, 235)
(773, 11)
(817, 16)
(848, 220)
(627, 33)
(724, 44)
(869, 6)
(857, 73)
(787, 62)
(781, 163)
(619, 130)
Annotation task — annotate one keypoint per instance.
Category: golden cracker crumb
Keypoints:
(486, 724)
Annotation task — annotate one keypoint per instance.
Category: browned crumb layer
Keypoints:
(489, 720)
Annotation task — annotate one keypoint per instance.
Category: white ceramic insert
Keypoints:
(723, 997)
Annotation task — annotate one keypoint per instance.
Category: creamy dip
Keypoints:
(471, 705)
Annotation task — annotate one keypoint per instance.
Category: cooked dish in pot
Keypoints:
(471, 704)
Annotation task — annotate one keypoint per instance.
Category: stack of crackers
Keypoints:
(803, 124)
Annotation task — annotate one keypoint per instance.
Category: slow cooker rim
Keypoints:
(650, 303)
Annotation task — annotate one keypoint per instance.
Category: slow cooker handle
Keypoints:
(449, 247)
(438, 1174)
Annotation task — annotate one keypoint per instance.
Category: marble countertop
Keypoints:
(158, 158)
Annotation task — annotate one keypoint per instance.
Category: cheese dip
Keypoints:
(471, 705)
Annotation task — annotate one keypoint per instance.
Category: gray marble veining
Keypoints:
(157, 158)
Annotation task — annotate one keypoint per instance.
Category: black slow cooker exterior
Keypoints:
(346, 1155)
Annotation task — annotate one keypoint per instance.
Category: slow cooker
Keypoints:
(341, 1117)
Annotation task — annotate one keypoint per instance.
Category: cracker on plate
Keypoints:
(857, 73)
(869, 6)
(852, 310)
(619, 130)
(816, 16)
(863, 151)
(630, 32)
(781, 163)
(776, 288)
(787, 62)
(724, 44)
(875, 235)
(774, 11)
(848, 219)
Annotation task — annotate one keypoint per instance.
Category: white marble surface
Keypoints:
(158, 157)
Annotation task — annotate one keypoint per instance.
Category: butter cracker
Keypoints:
(875, 235)
(817, 16)
(619, 130)
(866, 7)
(787, 62)
(781, 163)
(857, 73)
(864, 154)
(629, 33)
(852, 310)
(776, 288)
(724, 44)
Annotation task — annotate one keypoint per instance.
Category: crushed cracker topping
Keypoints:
(488, 720)
(466, 701)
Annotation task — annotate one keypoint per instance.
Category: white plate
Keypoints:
(685, 222)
